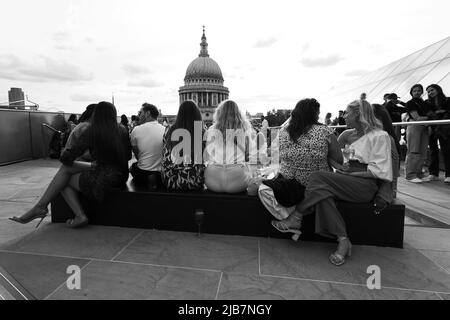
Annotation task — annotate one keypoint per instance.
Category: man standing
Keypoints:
(395, 111)
(339, 121)
(147, 143)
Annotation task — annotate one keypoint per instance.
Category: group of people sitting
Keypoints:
(185, 156)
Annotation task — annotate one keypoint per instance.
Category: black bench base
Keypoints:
(238, 214)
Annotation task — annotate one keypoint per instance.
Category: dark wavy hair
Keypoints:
(124, 120)
(87, 114)
(418, 85)
(441, 98)
(383, 115)
(106, 140)
(188, 113)
(303, 117)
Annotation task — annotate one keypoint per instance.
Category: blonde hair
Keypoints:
(229, 116)
(366, 116)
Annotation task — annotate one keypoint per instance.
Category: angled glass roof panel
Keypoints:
(416, 76)
(390, 84)
(431, 54)
(438, 73)
(441, 53)
(404, 63)
(445, 84)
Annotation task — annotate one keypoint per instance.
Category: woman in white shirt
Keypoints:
(231, 147)
(372, 148)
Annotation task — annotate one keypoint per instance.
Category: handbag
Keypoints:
(356, 166)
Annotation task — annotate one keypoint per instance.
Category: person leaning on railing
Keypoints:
(416, 136)
(440, 106)
(359, 183)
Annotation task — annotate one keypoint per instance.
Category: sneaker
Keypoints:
(415, 180)
(447, 180)
(433, 178)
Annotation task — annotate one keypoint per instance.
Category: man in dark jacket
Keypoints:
(395, 111)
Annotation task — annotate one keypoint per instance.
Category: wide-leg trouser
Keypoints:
(417, 142)
(322, 191)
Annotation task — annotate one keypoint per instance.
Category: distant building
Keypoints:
(16, 98)
(203, 83)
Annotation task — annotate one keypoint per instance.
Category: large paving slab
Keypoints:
(113, 281)
(211, 252)
(247, 287)
(92, 242)
(441, 258)
(400, 268)
(11, 232)
(13, 208)
(40, 275)
(428, 238)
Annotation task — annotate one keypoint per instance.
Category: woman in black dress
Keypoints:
(109, 146)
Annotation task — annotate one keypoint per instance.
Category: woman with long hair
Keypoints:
(305, 146)
(328, 120)
(231, 145)
(124, 122)
(372, 151)
(440, 106)
(182, 165)
(110, 149)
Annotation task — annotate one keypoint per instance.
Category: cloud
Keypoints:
(63, 47)
(305, 48)
(134, 69)
(61, 36)
(41, 70)
(328, 61)
(357, 73)
(145, 83)
(85, 97)
(265, 43)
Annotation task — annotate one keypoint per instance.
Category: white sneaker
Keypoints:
(415, 180)
(447, 180)
(433, 178)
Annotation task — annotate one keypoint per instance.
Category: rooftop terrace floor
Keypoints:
(124, 263)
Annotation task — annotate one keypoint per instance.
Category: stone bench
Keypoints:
(229, 214)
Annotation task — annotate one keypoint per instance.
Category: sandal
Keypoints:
(284, 227)
(337, 258)
(77, 222)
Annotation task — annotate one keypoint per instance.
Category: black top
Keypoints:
(80, 143)
(395, 111)
(445, 107)
(418, 105)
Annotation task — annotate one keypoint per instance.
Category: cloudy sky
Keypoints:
(66, 54)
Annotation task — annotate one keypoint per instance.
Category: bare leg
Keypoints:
(59, 182)
(70, 194)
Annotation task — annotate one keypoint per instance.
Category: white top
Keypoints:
(148, 139)
(218, 151)
(264, 124)
(374, 149)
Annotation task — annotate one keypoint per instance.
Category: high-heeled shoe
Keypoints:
(288, 226)
(41, 215)
(337, 258)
